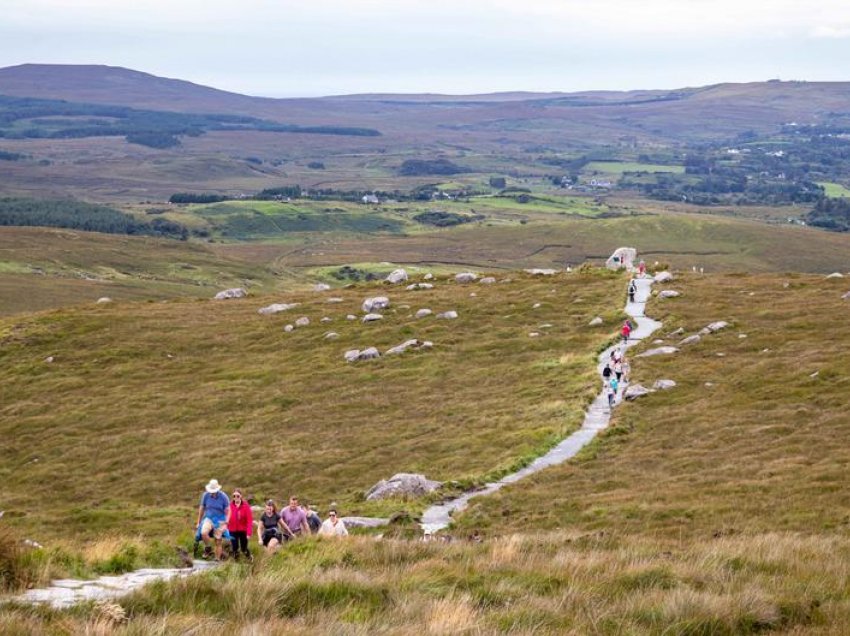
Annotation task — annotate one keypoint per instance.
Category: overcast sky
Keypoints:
(281, 48)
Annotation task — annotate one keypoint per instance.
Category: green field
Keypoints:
(620, 167)
(834, 189)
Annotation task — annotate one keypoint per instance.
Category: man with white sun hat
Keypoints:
(213, 516)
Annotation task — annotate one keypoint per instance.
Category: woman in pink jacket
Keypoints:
(240, 525)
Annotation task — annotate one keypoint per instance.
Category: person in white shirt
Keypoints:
(333, 526)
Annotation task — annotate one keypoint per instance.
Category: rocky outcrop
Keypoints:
(423, 312)
(663, 385)
(235, 292)
(303, 321)
(410, 344)
(418, 286)
(663, 277)
(396, 276)
(366, 354)
(402, 484)
(668, 293)
(635, 391)
(657, 351)
(378, 303)
(541, 272)
(466, 277)
(276, 308)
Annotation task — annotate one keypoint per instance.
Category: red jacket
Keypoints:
(241, 518)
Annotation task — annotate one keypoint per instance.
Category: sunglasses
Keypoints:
(332, 514)
(235, 496)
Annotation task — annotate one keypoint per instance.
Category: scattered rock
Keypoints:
(351, 355)
(410, 344)
(235, 292)
(372, 317)
(691, 340)
(364, 522)
(396, 276)
(276, 308)
(321, 287)
(351, 317)
(709, 384)
(366, 354)
(423, 312)
(448, 315)
(428, 276)
(326, 319)
(473, 295)
(668, 293)
(103, 300)
(595, 322)
(289, 328)
(466, 277)
(836, 275)
(49, 359)
(663, 385)
(741, 336)
(716, 326)
(720, 354)
(546, 325)
(405, 484)
(378, 303)
(815, 374)
(846, 296)
(534, 334)
(680, 331)
(334, 300)
(657, 341)
(657, 351)
(536, 305)
(331, 335)
(663, 277)
(634, 391)
(541, 272)
(765, 350)
(303, 321)
(417, 286)
(487, 280)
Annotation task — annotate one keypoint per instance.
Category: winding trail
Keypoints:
(68, 592)
(597, 417)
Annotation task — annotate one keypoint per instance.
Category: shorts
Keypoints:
(272, 533)
(210, 527)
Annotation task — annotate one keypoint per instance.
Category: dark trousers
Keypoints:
(239, 541)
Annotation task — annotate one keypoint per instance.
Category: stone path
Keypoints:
(67, 592)
(438, 516)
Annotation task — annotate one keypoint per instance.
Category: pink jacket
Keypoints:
(241, 518)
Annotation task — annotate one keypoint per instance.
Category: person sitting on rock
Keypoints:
(333, 526)
(295, 518)
(271, 529)
(213, 517)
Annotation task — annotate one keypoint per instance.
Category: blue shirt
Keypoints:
(215, 506)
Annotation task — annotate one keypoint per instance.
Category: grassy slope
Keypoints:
(704, 510)
(144, 403)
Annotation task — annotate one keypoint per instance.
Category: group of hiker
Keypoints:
(222, 518)
(615, 374)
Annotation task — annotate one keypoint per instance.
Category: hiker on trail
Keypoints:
(213, 517)
(313, 519)
(271, 529)
(333, 526)
(240, 525)
(632, 290)
(295, 518)
(618, 369)
(607, 372)
(641, 268)
(626, 331)
(612, 392)
(627, 370)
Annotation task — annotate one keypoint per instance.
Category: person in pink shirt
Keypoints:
(240, 525)
(295, 518)
(626, 331)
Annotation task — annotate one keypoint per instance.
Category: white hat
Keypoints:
(213, 486)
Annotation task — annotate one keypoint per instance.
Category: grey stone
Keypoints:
(691, 340)
(378, 303)
(428, 276)
(326, 319)
(351, 355)
(369, 354)
(680, 331)
(235, 292)
(846, 296)
(334, 300)
(289, 328)
(595, 322)
(351, 317)
(657, 351)
(396, 276)
(49, 359)
(409, 344)
(717, 326)
(836, 275)
(321, 287)
(372, 317)
(663, 277)
(448, 315)
(276, 308)
(331, 335)
(623, 257)
(634, 391)
(417, 286)
(364, 522)
(303, 321)
(487, 280)
(402, 484)
(103, 300)
(541, 272)
(466, 277)
(663, 385)
(423, 312)
(536, 306)
(668, 293)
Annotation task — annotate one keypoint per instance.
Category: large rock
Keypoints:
(351, 355)
(668, 293)
(487, 280)
(634, 391)
(366, 354)
(235, 292)
(331, 335)
(303, 321)
(595, 322)
(836, 275)
(402, 484)
(423, 312)
(321, 287)
(276, 308)
(466, 277)
(410, 344)
(846, 296)
(365, 522)
(541, 272)
(663, 385)
(417, 286)
(678, 332)
(658, 351)
(372, 317)
(397, 276)
(448, 315)
(663, 277)
(714, 327)
(428, 276)
(103, 300)
(622, 258)
(378, 303)
(691, 340)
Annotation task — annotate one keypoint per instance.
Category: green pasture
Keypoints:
(834, 190)
(620, 167)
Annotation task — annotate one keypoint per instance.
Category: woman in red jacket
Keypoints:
(240, 525)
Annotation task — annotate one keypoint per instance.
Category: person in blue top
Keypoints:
(213, 517)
